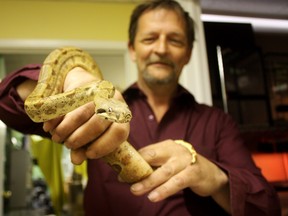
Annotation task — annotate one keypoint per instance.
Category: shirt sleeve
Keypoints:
(12, 111)
(250, 192)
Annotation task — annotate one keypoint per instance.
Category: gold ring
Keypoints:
(190, 149)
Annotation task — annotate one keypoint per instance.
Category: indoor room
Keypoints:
(239, 65)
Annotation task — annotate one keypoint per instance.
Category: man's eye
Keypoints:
(148, 40)
(177, 42)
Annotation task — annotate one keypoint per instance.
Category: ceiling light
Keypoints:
(258, 24)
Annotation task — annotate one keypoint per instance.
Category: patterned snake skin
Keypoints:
(48, 101)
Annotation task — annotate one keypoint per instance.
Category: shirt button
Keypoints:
(151, 117)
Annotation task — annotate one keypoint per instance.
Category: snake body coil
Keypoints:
(48, 101)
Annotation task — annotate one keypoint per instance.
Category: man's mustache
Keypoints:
(159, 60)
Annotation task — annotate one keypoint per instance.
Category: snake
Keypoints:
(48, 101)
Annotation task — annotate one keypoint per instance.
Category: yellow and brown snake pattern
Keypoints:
(48, 101)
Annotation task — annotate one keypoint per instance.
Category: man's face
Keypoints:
(160, 49)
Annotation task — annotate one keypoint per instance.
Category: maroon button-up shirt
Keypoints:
(212, 133)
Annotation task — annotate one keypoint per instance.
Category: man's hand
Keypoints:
(86, 134)
(175, 172)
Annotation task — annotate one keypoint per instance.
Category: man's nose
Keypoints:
(161, 47)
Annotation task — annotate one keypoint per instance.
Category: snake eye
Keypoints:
(110, 110)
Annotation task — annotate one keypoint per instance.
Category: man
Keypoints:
(222, 181)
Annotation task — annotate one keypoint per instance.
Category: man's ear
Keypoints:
(131, 52)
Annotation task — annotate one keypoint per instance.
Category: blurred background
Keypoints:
(239, 63)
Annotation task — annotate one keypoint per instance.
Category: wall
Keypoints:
(64, 20)
(37, 27)
(113, 72)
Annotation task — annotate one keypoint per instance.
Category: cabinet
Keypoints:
(238, 81)
(276, 66)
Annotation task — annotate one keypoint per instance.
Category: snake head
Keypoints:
(113, 110)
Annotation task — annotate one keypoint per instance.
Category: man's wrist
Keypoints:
(77, 77)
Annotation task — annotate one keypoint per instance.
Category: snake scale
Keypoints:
(48, 101)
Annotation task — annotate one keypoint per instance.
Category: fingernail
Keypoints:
(46, 128)
(137, 187)
(153, 196)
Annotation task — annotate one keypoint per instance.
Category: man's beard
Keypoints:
(151, 79)
(170, 78)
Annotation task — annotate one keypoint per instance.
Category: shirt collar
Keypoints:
(134, 91)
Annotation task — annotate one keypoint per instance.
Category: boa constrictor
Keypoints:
(48, 101)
